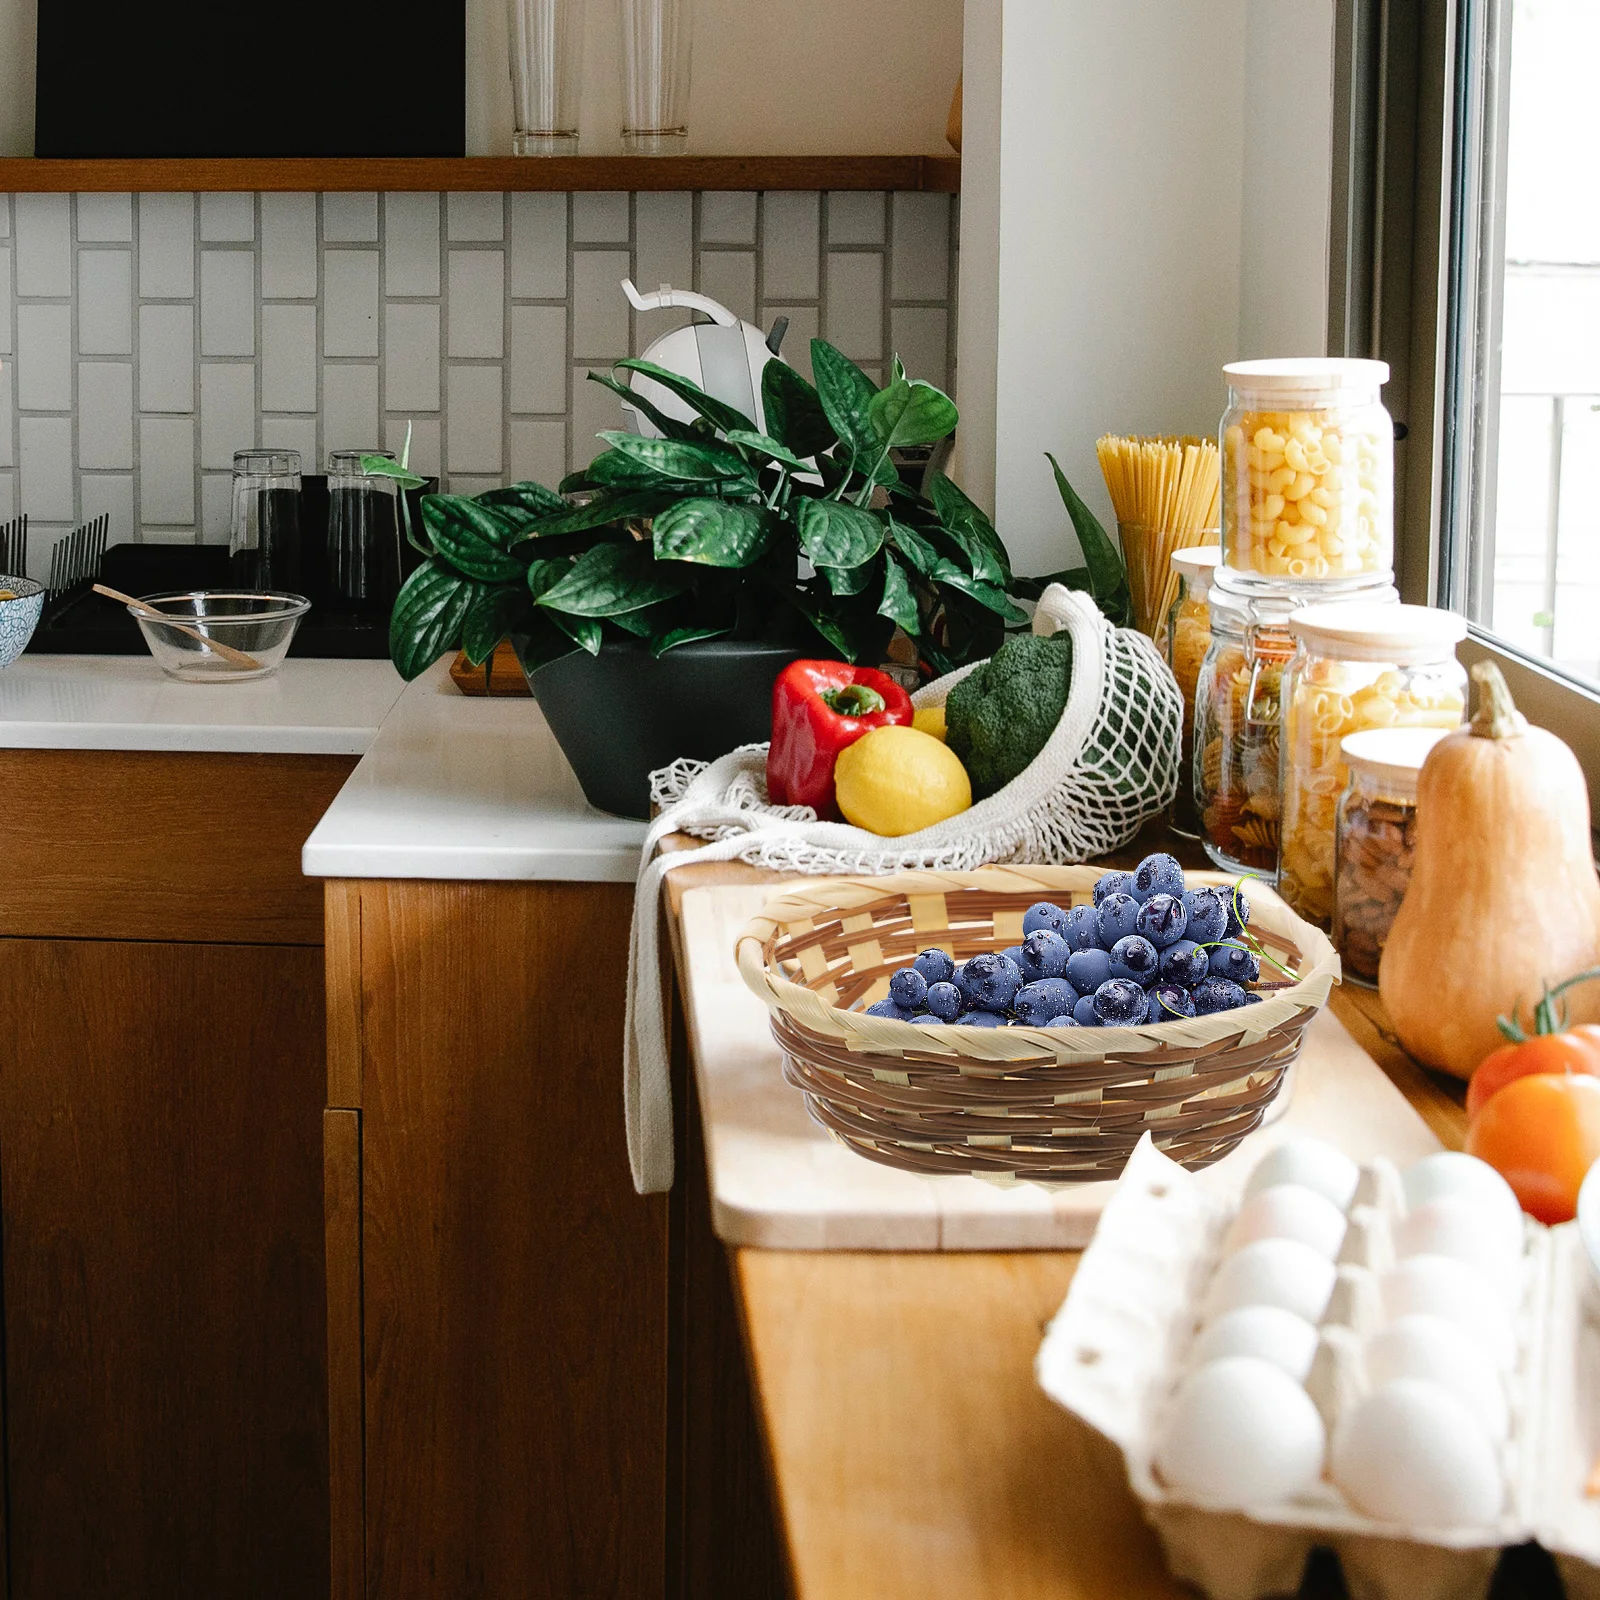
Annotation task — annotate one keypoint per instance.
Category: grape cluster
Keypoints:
(1148, 950)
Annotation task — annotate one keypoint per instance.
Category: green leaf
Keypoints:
(545, 574)
(986, 594)
(971, 529)
(492, 616)
(834, 534)
(583, 631)
(609, 579)
(714, 411)
(794, 411)
(715, 533)
(383, 467)
(427, 617)
(1108, 577)
(540, 643)
(522, 500)
(680, 460)
(846, 393)
(671, 427)
(899, 603)
(848, 580)
(603, 510)
(911, 413)
(474, 539)
(673, 637)
(765, 444)
(914, 548)
(611, 469)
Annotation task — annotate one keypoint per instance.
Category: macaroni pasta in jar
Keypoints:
(1356, 666)
(1188, 639)
(1307, 472)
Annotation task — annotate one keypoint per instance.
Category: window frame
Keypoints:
(1417, 184)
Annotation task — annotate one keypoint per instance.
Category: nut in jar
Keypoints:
(1307, 470)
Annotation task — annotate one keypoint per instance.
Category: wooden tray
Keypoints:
(779, 1181)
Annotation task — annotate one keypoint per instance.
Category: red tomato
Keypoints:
(1541, 1134)
(1576, 1050)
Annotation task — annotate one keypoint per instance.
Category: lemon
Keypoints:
(930, 720)
(897, 780)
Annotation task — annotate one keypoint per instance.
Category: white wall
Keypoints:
(1154, 204)
(771, 77)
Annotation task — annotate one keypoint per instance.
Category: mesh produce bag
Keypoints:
(1110, 765)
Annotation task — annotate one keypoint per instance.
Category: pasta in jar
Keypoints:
(1188, 640)
(1307, 471)
(1356, 667)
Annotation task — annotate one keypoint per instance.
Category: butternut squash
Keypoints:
(1503, 895)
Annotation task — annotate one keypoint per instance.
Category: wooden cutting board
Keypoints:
(780, 1182)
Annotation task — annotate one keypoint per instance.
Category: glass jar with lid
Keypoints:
(1188, 638)
(1356, 666)
(1374, 841)
(1307, 473)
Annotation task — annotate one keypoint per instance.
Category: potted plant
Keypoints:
(653, 599)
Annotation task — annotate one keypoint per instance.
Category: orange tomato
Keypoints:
(1576, 1050)
(1541, 1134)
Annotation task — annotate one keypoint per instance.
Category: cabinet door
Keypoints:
(161, 1199)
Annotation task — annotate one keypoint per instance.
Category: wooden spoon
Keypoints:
(237, 658)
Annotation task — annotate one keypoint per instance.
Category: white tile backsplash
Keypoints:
(350, 303)
(411, 244)
(228, 303)
(105, 219)
(222, 320)
(105, 414)
(44, 357)
(166, 246)
(105, 303)
(477, 285)
(8, 501)
(216, 507)
(44, 244)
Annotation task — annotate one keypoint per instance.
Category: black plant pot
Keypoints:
(621, 714)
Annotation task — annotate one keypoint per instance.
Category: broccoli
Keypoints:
(1000, 716)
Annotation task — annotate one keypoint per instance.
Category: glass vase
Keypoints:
(655, 76)
(546, 75)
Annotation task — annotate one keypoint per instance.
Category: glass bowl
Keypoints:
(260, 623)
(21, 602)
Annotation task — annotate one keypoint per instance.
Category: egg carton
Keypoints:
(1114, 1351)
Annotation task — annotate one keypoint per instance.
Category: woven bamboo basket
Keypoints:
(1062, 1105)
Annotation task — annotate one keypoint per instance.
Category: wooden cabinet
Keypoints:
(161, 1209)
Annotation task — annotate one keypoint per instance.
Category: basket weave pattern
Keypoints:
(1062, 1105)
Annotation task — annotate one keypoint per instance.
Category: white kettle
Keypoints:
(725, 357)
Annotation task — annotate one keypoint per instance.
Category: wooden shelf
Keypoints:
(560, 173)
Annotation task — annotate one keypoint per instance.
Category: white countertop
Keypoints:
(466, 788)
(51, 702)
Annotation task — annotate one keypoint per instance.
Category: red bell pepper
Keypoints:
(819, 707)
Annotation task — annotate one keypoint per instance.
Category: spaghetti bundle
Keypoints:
(1166, 491)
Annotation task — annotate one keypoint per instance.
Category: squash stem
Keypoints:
(1497, 716)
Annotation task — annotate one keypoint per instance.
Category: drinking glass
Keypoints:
(546, 75)
(655, 76)
(363, 534)
(264, 536)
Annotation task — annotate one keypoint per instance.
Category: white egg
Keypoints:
(1454, 1172)
(1412, 1453)
(1270, 1332)
(1441, 1286)
(1273, 1272)
(1288, 1211)
(1241, 1433)
(1313, 1162)
(1433, 1350)
(1463, 1227)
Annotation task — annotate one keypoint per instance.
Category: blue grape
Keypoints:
(1088, 969)
(1251, 998)
(1015, 952)
(1238, 910)
(1120, 1002)
(1084, 1013)
(1082, 931)
(983, 1019)
(1044, 954)
(1216, 994)
(945, 1001)
(1134, 958)
(1235, 962)
(1208, 915)
(1110, 883)
(1036, 1003)
(909, 988)
(991, 980)
(1169, 1002)
(1162, 920)
(1063, 1022)
(1119, 916)
(1185, 963)
(887, 1008)
(928, 1016)
(1157, 874)
(1043, 914)
(936, 966)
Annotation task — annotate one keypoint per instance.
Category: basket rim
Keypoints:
(809, 898)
